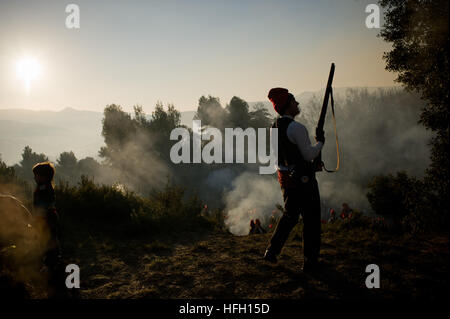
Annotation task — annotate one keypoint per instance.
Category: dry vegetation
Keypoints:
(220, 265)
(164, 247)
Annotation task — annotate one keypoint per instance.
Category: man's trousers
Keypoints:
(302, 199)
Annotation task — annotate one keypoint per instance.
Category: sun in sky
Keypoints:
(28, 69)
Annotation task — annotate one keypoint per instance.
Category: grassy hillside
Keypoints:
(167, 246)
(219, 265)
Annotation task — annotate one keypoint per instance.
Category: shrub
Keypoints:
(216, 218)
(406, 199)
(114, 208)
(358, 220)
(89, 202)
(387, 194)
(10, 184)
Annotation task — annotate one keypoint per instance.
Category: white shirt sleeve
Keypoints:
(298, 134)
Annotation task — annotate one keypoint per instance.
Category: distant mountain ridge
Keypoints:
(53, 132)
(49, 132)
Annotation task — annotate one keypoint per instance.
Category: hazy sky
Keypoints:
(139, 52)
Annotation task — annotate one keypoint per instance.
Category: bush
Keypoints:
(408, 200)
(10, 184)
(114, 208)
(216, 218)
(387, 194)
(94, 203)
(357, 221)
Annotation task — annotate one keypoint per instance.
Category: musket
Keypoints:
(318, 164)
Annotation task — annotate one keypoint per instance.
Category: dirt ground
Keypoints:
(220, 265)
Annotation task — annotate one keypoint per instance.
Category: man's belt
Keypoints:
(289, 179)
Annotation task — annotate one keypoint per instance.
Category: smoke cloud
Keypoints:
(252, 196)
(378, 133)
(22, 243)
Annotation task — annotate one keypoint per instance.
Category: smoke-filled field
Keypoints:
(378, 133)
(141, 226)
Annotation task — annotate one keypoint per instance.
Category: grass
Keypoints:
(216, 264)
(164, 247)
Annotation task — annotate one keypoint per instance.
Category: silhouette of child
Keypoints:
(46, 216)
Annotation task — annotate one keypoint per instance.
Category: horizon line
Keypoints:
(193, 110)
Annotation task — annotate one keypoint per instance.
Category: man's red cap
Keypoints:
(279, 98)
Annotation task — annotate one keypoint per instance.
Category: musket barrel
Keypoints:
(323, 112)
(319, 129)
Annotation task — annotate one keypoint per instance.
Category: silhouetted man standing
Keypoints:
(296, 175)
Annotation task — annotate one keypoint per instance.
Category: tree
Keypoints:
(118, 127)
(29, 159)
(67, 159)
(418, 31)
(238, 114)
(260, 116)
(138, 148)
(164, 122)
(161, 125)
(7, 173)
(89, 167)
(67, 166)
(211, 112)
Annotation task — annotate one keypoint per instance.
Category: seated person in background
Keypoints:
(332, 215)
(252, 227)
(258, 228)
(346, 211)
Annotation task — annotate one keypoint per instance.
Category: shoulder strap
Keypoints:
(335, 134)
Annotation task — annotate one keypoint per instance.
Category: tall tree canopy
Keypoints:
(418, 31)
(238, 115)
(137, 147)
(210, 112)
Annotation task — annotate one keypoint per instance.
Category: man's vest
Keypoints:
(288, 153)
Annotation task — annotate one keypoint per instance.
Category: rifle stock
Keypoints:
(318, 165)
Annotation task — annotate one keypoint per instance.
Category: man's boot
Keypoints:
(270, 257)
(311, 265)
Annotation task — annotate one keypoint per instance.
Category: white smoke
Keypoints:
(220, 179)
(252, 196)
